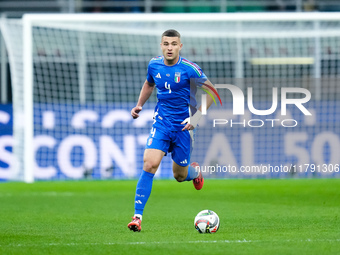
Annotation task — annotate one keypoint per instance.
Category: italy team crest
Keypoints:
(149, 141)
(177, 77)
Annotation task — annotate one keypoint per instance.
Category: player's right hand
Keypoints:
(135, 111)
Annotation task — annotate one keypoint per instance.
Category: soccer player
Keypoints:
(175, 118)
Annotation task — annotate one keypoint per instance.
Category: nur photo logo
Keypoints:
(238, 106)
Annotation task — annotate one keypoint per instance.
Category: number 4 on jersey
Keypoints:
(153, 131)
(167, 86)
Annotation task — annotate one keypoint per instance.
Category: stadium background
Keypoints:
(109, 144)
(83, 214)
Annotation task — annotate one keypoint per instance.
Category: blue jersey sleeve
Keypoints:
(195, 73)
(197, 76)
(149, 76)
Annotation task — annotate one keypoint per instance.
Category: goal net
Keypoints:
(76, 77)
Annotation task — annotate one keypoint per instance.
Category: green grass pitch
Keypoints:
(271, 216)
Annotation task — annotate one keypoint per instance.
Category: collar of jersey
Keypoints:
(179, 61)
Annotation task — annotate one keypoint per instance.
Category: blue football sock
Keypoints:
(143, 191)
(192, 174)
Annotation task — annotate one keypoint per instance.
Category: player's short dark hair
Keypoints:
(171, 33)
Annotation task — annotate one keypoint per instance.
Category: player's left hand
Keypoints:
(187, 126)
(191, 122)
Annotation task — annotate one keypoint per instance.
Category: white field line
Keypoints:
(48, 194)
(173, 242)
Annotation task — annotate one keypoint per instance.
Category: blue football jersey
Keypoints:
(176, 89)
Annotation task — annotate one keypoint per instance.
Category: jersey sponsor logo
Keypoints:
(158, 75)
(184, 161)
(177, 77)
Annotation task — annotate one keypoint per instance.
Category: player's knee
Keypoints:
(150, 166)
(179, 177)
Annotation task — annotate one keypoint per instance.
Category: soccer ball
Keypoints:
(207, 221)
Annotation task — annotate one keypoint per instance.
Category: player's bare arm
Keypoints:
(191, 123)
(144, 95)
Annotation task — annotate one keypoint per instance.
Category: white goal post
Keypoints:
(75, 77)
